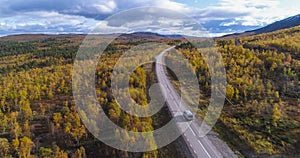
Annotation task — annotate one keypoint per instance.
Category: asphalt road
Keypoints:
(200, 147)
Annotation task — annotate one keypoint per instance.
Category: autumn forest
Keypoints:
(38, 116)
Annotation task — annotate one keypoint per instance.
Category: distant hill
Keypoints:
(125, 36)
(278, 25)
(37, 37)
(147, 35)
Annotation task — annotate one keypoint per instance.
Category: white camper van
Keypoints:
(188, 115)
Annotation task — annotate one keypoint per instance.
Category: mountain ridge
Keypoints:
(278, 25)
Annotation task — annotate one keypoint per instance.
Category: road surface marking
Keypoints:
(200, 143)
(192, 131)
(204, 149)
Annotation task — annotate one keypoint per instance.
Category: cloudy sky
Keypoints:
(218, 17)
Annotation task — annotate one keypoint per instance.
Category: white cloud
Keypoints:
(171, 5)
(256, 12)
(229, 23)
(151, 19)
(79, 15)
(103, 27)
(43, 21)
(106, 7)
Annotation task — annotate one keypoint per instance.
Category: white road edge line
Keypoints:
(204, 149)
(192, 131)
(200, 142)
